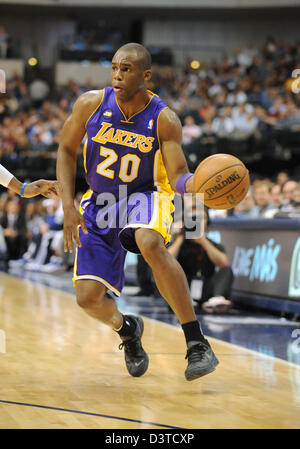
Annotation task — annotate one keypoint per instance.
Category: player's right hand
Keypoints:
(72, 220)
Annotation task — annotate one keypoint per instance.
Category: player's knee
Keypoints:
(150, 244)
(85, 300)
(88, 299)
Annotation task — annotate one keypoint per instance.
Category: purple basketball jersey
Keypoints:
(120, 151)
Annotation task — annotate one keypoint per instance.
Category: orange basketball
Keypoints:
(223, 180)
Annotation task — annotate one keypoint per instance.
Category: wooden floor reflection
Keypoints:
(61, 369)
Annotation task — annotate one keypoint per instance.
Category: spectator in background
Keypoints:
(265, 125)
(288, 195)
(47, 239)
(207, 269)
(263, 201)
(47, 257)
(249, 121)
(290, 117)
(247, 94)
(3, 201)
(33, 220)
(190, 131)
(38, 91)
(3, 42)
(207, 127)
(14, 229)
(222, 124)
(37, 143)
(244, 120)
(296, 197)
(72, 92)
(282, 178)
(288, 191)
(145, 279)
(276, 196)
(246, 208)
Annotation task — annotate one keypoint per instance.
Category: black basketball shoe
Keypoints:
(201, 360)
(136, 358)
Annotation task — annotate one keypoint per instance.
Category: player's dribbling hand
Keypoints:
(72, 219)
(41, 187)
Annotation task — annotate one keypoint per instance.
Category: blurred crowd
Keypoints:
(237, 92)
(31, 231)
(248, 103)
(267, 198)
(31, 234)
(4, 42)
(249, 98)
(31, 122)
(245, 105)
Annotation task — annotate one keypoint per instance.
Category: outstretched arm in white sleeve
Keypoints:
(27, 190)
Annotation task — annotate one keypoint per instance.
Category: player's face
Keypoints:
(127, 76)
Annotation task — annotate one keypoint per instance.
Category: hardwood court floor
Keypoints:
(62, 369)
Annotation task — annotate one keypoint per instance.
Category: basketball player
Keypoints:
(132, 139)
(27, 190)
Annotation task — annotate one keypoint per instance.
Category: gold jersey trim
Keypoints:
(160, 177)
(99, 104)
(127, 120)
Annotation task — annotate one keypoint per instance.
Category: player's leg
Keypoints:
(92, 297)
(172, 284)
(99, 268)
(168, 274)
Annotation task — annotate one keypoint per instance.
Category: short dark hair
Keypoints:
(142, 53)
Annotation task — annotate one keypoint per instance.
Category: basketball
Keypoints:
(223, 180)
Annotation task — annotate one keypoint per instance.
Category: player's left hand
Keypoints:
(41, 187)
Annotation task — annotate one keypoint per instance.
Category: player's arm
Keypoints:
(27, 190)
(170, 134)
(72, 134)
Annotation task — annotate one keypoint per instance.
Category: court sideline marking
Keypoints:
(81, 412)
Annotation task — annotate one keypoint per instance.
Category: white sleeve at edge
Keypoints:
(5, 176)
